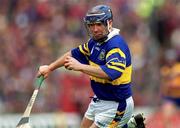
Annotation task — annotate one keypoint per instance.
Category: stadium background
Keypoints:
(36, 32)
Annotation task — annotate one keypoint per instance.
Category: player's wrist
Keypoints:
(81, 67)
(50, 68)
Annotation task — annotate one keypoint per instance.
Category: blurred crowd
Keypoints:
(36, 32)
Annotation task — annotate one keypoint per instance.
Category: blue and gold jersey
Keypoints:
(113, 57)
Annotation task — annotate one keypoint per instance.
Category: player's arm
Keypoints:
(46, 69)
(115, 63)
(59, 62)
(79, 53)
(94, 71)
(73, 64)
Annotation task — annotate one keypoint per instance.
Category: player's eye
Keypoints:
(90, 25)
(98, 24)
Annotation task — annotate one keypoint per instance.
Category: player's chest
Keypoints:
(98, 54)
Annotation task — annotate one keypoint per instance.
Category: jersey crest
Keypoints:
(102, 55)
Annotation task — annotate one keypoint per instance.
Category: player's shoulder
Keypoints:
(117, 41)
(90, 43)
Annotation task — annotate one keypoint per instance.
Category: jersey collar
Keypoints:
(113, 33)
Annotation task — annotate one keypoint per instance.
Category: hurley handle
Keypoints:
(40, 80)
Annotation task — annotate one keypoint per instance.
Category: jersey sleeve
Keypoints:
(81, 53)
(84, 49)
(115, 63)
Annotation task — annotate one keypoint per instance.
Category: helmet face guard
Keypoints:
(95, 18)
(105, 33)
(98, 14)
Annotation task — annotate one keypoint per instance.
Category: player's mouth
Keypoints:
(98, 36)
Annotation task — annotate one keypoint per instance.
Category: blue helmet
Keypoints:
(99, 13)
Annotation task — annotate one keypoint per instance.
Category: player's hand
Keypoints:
(72, 64)
(44, 70)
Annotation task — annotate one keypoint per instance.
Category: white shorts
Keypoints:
(110, 114)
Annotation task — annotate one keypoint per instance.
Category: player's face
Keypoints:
(97, 30)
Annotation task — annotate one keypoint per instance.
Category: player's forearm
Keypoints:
(94, 71)
(59, 62)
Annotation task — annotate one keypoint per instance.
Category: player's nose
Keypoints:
(95, 28)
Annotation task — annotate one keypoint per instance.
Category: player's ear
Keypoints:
(109, 24)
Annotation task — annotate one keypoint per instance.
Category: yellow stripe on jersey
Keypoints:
(115, 68)
(100, 80)
(85, 52)
(82, 51)
(124, 79)
(116, 50)
(86, 47)
(118, 64)
(93, 64)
